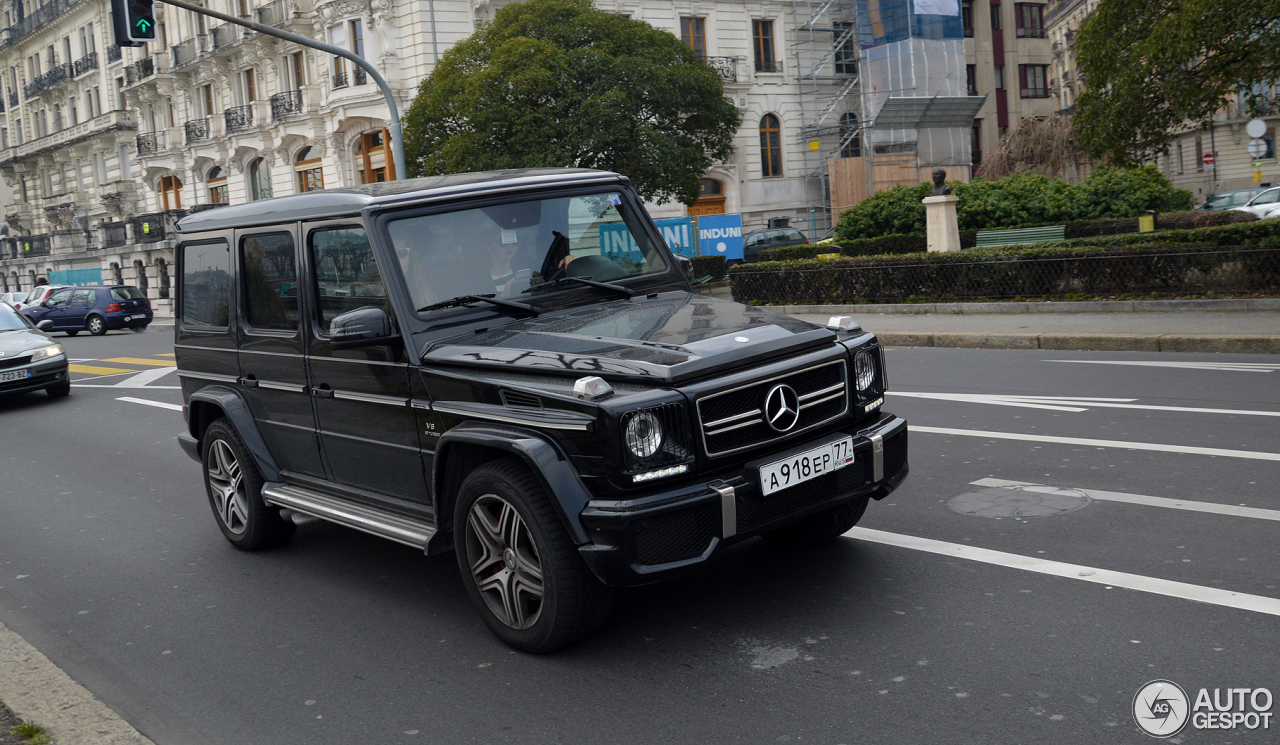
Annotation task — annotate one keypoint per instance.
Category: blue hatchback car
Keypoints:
(96, 309)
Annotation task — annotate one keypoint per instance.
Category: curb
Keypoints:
(1233, 343)
(39, 691)
(1081, 306)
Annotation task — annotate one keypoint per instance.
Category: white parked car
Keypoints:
(1262, 204)
(15, 299)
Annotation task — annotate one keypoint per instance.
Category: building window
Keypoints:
(971, 79)
(357, 46)
(338, 38)
(999, 73)
(242, 8)
(975, 143)
(762, 44)
(1030, 20)
(310, 174)
(373, 157)
(966, 18)
(846, 56)
(299, 70)
(850, 137)
(250, 86)
(170, 193)
(995, 17)
(1031, 79)
(217, 179)
(770, 146)
(1199, 154)
(259, 180)
(694, 33)
(206, 94)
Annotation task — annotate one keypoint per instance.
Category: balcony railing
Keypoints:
(768, 65)
(361, 76)
(113, 53)
(225, 35)
(84, 64)
(13, 100)
(38, 17)
(238, 118)
(285, 105)
(726, 66)
(114, 234)
(44, 82)
(150, 143)
(339, 80)
(1030, 33)
(197, 130)
(33, 245)
(183, 52)
(140, 70)
(276, 13)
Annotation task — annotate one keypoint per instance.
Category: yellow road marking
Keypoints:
(91, 370)
(166, 354)
(141, 361)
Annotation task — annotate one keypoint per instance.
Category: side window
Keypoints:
(346, 275)
(206, 285)
(82, 297)
(60, 298)
(270, 279)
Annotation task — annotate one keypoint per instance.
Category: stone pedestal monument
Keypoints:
(941, 226)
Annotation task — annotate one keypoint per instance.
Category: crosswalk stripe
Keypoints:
(141, 361)
(1257, 513)
(94, 370)
(1185, 449)
(148, 402)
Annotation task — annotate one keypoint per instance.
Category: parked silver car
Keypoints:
(1263, 203)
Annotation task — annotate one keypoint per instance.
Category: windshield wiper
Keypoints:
(588, 281)
(468, 299)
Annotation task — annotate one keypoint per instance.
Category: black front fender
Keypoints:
(234, 408)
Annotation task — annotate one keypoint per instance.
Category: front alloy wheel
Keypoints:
(504, 562)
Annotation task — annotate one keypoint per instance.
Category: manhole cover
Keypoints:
(1021, 502)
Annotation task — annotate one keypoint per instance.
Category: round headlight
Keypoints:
(864, 368)
(644, 435)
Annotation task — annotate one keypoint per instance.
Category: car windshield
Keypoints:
(505, 249)
(10, 320)
(126, 293)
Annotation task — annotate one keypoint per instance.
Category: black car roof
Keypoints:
(351, 200)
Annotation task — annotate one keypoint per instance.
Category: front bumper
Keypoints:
(636, 541)
(43, 374)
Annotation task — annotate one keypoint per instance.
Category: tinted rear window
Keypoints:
(206, 277)
(127, 293)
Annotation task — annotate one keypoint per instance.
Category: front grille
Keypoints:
(734, 420)
(14, 362)
(674, 536)
(895, 454)
(757, 510)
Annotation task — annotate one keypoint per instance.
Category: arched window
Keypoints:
(259, 180)
(140, 275)
(117, 277)
(770, 146)
(373, 157)
(217, 180)
(850, 137)
(170, 193)
(310, 173)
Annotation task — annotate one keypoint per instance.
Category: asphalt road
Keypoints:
(111, 565)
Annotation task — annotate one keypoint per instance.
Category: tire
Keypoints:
(59, 390)
(537, 594)
(234, 487)
(96, 325)
(73, 333)
(822, 527)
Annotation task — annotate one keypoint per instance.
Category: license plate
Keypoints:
(804, 466)
(5, 377)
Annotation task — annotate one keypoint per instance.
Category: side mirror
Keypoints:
(44, 325)
(686, 265)
(362, 327)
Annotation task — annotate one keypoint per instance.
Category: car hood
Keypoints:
(14, 343)
(669, 339)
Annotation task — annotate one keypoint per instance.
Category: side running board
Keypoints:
(398, 528)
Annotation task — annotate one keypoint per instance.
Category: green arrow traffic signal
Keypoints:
(143, 24)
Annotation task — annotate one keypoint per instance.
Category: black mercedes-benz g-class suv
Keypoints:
(513, 366)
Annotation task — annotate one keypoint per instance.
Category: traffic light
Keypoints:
(134, 21)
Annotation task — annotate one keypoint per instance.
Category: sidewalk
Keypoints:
(1151, 326)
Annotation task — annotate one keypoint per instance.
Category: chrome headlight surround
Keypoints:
(864, 370)
(656, 442)
(39, 354)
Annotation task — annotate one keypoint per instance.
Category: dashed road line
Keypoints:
(1223, 366)
(147, 402)
(1185, 449)
(1142, 499)
(1070, 403)
(1141, 583)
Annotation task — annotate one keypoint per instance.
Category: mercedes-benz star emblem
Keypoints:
(782, 408)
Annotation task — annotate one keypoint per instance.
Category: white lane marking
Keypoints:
(1187, 449)
(1227, 366)
(141, 379)
(1070, 403)
(146, 402)
(111, 375)
(1142, 499)
(1141, 583)
(149, 387)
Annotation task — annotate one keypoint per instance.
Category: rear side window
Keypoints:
(82, 297)
(126, 293)
(206, 285)
(346, 275)
(270, 281)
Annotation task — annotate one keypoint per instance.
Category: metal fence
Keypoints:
(950, 277)
(114, 235)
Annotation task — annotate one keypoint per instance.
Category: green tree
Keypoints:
(559, 83)
(1152, 67)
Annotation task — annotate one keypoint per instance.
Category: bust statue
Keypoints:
(940, 188)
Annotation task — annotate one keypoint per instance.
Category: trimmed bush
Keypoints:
(1174, 221)
(708, 266)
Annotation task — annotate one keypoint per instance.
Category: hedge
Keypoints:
(708, 266)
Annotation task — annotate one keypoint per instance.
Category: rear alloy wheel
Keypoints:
(234, 487)
(96, 325)
(521, 570)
